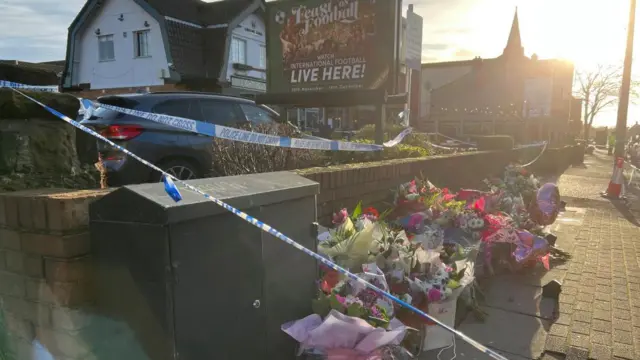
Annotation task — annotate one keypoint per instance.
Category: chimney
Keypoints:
(410, 8)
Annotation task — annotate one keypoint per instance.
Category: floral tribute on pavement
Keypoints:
(423, 250)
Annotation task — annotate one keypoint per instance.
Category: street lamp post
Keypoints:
(625, 87)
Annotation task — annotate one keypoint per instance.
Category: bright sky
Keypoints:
(587, 32)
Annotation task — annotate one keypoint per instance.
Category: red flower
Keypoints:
(329, 281)
(371, 211)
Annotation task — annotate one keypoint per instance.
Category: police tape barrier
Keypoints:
(228, 133)
(268, 229)
(544, 143)
(631, 175)
(15, 85)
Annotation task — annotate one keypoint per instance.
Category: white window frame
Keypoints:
(263, 57)
(103, 55)
(238, 51)
(137, 49)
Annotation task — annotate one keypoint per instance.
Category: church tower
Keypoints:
(514, 44)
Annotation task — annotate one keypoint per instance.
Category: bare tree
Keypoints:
(598, 89)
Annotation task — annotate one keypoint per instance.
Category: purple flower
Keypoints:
(434, 295)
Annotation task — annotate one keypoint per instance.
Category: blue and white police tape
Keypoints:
(268, 229)
(15, 85)
(537, 144)
(454, 139)
(544, 144)
(228, 133)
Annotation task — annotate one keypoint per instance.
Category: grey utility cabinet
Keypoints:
(194, 281)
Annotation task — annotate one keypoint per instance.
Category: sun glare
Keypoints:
(586, 32)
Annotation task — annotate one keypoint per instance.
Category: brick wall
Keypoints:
(45, 277)
(371, 183)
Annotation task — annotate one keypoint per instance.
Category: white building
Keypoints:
(162, 44)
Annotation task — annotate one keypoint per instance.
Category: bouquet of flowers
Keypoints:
(354, 299)
(354, 237)
(516, 181)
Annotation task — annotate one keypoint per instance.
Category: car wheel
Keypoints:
(181, 169)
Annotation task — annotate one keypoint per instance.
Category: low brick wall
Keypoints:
(45, 277)
(372, 183)
(45, 260)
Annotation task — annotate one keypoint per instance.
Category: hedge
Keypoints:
(495, 142)
(27, 75)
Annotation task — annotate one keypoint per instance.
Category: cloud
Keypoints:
(464, 53)
(35, 30)
(435, 46)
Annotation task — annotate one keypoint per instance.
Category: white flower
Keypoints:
(407, 298)
(447, 292)
(385, 304)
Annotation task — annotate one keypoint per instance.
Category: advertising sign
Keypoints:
(250, 84)
(322, 45)
(413, 47)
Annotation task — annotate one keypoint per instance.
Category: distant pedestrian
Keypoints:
(612, 143)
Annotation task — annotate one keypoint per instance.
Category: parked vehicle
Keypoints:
(183, 154)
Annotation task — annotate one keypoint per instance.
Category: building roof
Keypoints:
(449, 63)
(514, 43)
(185, 10)
(199, 12)
(199, 51)
(222, 12)
(194, 32)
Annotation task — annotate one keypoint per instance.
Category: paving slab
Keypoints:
(599, 310)
(465, 351)
(512, 333)
(509, 294)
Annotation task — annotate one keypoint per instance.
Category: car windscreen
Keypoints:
(272, 112)
(104, 114)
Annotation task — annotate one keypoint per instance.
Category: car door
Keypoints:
(219, 112)
(256, 115)
(259, 116)
(174, 141)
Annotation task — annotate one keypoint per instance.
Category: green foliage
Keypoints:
(495, 142)
(400, 151)
(368, 132)
(5, 353)
(357, 211)
(29, 75)
(84, 178)
(15, 106)
(321, 305)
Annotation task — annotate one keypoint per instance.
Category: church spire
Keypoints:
(514, 44)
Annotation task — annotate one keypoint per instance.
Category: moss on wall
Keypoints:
(15, 106)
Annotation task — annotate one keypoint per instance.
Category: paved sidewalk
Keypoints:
(599, 310)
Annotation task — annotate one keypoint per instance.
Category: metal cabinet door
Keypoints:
(218, 295)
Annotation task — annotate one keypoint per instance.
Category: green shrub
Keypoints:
(495, 142)
(16, 106)
(27, 75)
(400, 151)
(368, 132)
